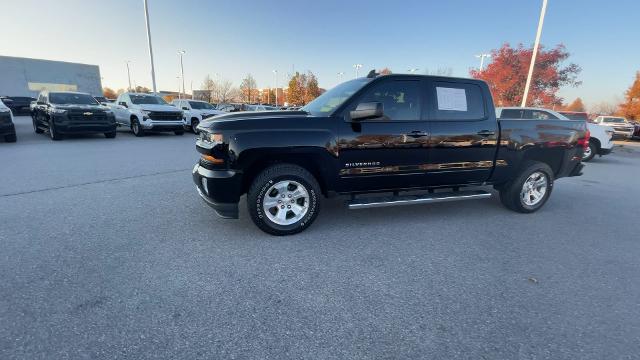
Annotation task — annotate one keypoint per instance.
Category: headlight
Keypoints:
(212, 138)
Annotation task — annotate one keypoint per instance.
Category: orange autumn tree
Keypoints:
(576, 105)
(507, 75)
(631, 107)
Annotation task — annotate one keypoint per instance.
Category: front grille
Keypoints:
(87, 116)
(165, 116)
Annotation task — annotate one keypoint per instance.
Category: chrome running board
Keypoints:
(372, 202)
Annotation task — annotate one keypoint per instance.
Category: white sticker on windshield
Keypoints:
(451, 99)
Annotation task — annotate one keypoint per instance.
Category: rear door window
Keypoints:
(458, 101)
(512, 114)
(539, 115)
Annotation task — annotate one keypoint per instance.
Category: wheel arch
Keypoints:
(253, 162)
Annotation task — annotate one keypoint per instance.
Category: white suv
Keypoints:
(600, 140)
(195, 111)
(147, 112)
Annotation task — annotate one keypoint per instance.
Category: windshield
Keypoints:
(330, 100)
(614, 120)
(201, 105)
(147, 99)
(70, 98)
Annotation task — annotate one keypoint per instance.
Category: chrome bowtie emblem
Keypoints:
(88, 114)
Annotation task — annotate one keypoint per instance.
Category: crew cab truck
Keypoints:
(195, 111)
(61, 113)
(386, 135)
(147, 112)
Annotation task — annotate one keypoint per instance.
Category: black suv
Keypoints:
(63, 113)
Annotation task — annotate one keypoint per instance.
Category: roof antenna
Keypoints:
(372, 74)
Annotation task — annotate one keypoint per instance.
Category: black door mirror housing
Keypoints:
(185, 108)
(367, 110)
(123, 103)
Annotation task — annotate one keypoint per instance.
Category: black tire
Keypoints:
(35, 126)
(11, 138)
(591, 152)
(194, 125)
(137, 128)
(53, 133)
(276, 174)
(179, 132)
(110, 135)
(512, 194)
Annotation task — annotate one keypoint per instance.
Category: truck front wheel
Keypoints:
(530, 189)
(137, 128)
(283, 199)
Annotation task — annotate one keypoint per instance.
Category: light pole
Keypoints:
(153, 70)
(413, 70)
(357, 67)
(178, 78)
(182, 52)
(129, 74)
(275, 78)
(535, 53)
(340, 74)
(481, 57)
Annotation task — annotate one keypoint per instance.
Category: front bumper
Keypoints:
(220, 189)
(66, 126)
(622, 133)
(157, 125)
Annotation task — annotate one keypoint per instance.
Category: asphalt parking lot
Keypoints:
(106, 251)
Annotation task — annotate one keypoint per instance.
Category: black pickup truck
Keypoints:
(437, 137)
(62, 113)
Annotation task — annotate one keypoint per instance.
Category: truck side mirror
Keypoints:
(123, 103)
(367, 110)
(185, 108)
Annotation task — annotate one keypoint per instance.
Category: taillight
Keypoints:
(584, 142)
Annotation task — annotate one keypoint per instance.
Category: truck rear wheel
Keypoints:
(530, 190)
(590, 151)
(283, 199)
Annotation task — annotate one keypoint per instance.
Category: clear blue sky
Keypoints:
(233, 38)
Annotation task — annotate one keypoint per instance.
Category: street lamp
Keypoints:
(413, 70)
(357, 67)
(129, 73)
(153, 70)
(275, 77)
(481, 57)
(535, 53)
(178, 78)
(182, 52)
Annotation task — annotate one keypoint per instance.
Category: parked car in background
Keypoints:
(7, 128)
(225, 108)
(600, 137)
(19, 105)
(147, 112)
(100, 99)
(388, 134)
(195, 111)
(620, 125)
(61, 113)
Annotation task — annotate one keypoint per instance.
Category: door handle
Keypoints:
(417, 134)
(486, 133)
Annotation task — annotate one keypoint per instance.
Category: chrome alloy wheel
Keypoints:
(286, 202)
(587, 152)
(534, 189)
